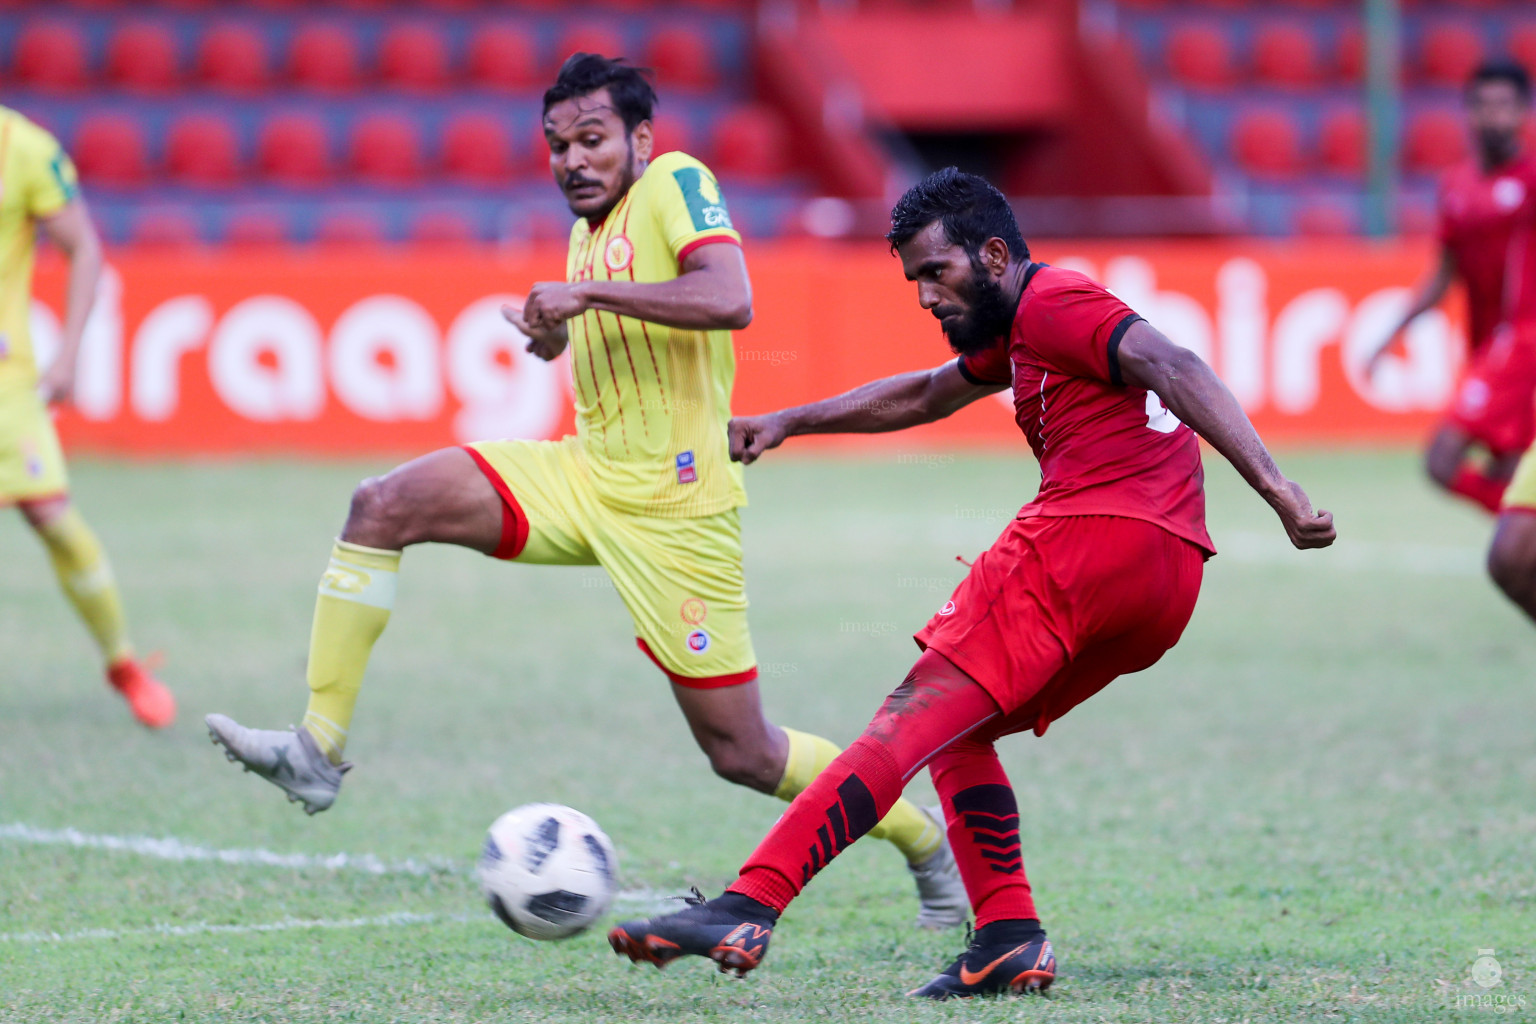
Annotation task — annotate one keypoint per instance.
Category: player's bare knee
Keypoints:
(375, 518)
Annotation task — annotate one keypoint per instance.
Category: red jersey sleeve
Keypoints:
(1073, 325)
(992, 366)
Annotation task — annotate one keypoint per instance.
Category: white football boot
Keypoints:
(940, 892)
(290, 759)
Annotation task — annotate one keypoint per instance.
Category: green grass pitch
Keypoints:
(1317, 807)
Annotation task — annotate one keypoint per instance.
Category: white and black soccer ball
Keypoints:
(547, 870)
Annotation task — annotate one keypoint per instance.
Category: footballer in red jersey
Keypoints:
(1486, 208)
(1095, 578)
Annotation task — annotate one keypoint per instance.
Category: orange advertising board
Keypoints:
(396, 351)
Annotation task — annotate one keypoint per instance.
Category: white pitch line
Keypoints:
(203, 928)
(175, 849)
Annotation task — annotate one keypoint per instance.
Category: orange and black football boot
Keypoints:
(732, 930)
(1004, 956)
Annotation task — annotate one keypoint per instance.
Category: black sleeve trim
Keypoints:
(965, 371)
(1114, 347)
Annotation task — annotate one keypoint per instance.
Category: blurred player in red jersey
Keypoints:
(1485, 210)
(1096, 578)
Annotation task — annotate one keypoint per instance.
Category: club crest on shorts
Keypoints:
(698, 641)
(619, 254)
(687, 472)
(693, 611)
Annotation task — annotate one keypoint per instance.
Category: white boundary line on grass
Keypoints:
(203, 928)
(174, 849)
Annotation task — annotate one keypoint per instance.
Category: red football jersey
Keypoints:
(1480, 215)
(1104, 448)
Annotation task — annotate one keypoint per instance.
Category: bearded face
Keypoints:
(981, 316)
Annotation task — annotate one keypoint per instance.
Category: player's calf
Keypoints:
(1512, 557)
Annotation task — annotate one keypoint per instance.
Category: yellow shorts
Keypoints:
(681, 579)
(31, 461)
(1521, 492)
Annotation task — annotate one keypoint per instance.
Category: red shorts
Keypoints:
(1494, 401)
(1058, 607)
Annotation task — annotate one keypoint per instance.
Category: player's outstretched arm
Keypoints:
(713, 293)
(71, 230)
(1431, 290)
(891, 403)
(1194, 394)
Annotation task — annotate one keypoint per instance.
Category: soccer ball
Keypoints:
(547, 870)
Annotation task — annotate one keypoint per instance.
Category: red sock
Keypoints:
(861, 786)
(983, 819)
(1474, 486)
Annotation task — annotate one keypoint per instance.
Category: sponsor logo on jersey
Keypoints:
(698, 641)
(619, 254)
(693, 611)
(948, 609)
(705, 204)
(687, 473)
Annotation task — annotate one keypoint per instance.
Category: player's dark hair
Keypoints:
(1509, 71)
(583, 73)
(971, 210)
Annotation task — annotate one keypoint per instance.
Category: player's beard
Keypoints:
(1498, 146)
(988, 318)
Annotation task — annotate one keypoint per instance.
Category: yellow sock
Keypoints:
(356, 594)
(86, 577)
(906, 827)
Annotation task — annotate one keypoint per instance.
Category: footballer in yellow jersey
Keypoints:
(655, 282)
(38, 192)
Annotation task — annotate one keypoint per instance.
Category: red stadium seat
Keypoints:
(349, 228)
(587, 39)
(1266, 144)
(324, 57)
(165, 228)
(233, 58)
(1323, 219)
(141, 56)
(1342, 142)
(1285, 54)
(1349, 54)
(51, 56)
(414, 57)
(293, 150)
(681, 57)
(750, 142)
(386, 150)
(477, 149)
(1449, 53)
(1199, 55)
(501, 57)
(203, 150)
(256, 227)
(670, 134)
(1522, 46)
(110, 150)
(1436, 140)
(439, 227)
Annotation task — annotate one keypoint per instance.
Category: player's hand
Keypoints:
(1305, 527)
(753, 435)
(552, 303)
(57, 386)
(544, 343)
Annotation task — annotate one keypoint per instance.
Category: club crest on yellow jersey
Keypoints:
(619, 254)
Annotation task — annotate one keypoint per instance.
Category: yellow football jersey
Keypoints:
(37, 180)
(653, 402)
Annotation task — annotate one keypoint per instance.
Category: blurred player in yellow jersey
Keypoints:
(655, 282)
(38, 192)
